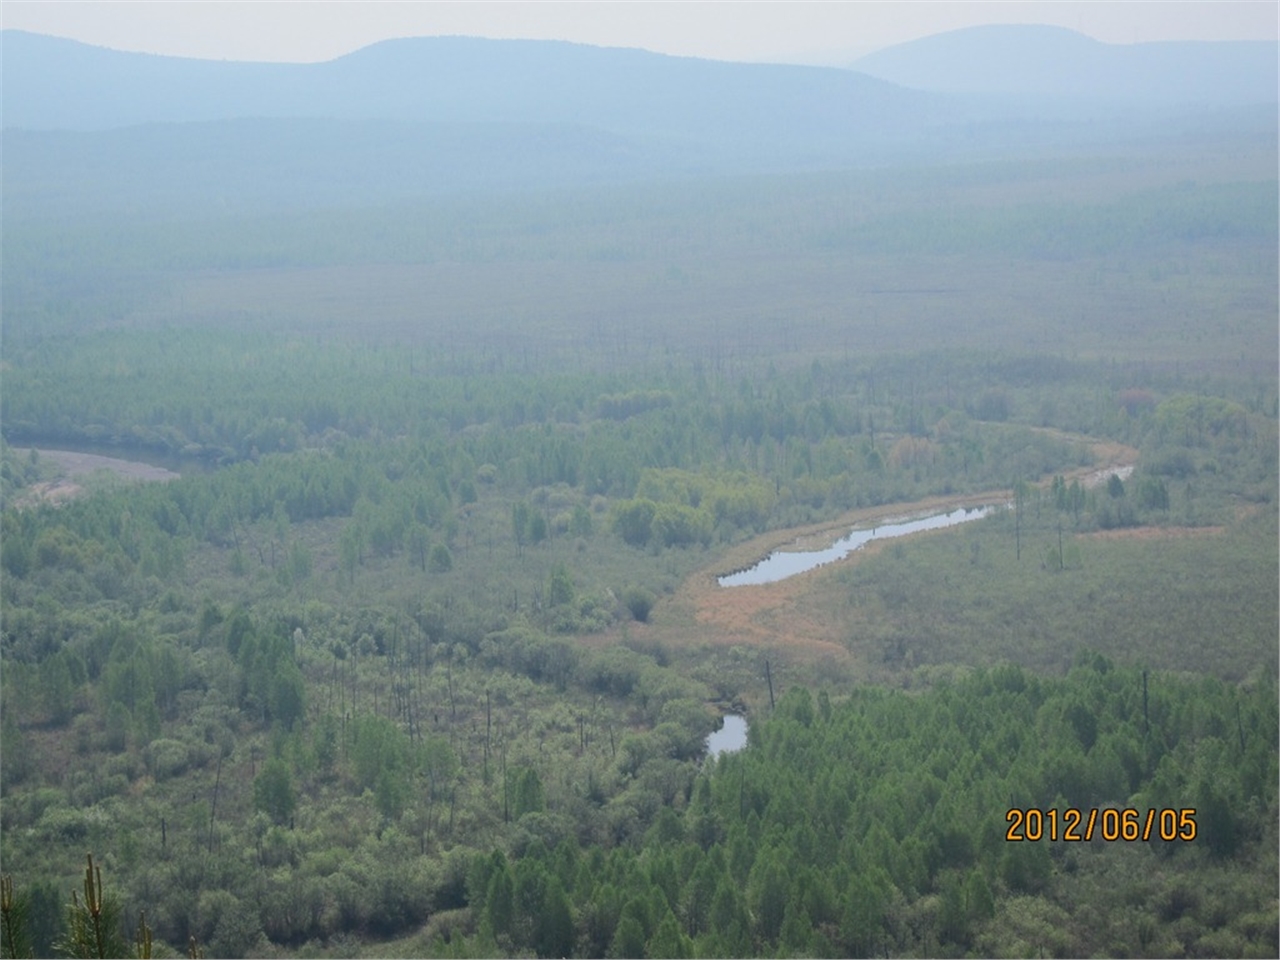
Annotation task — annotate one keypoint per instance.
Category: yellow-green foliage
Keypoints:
(734, 496)
(679, 508)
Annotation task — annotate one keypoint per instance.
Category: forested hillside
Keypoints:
(419, 654)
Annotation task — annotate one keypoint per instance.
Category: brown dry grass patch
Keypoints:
(784, 615)
(788, 614)
(1153, 533)
(72, 464)
(48, 491)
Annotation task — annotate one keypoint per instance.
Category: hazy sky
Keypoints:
(797, 32)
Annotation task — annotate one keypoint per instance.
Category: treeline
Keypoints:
(914, 211)
(680, 475)
(223, 397)
(205, 396)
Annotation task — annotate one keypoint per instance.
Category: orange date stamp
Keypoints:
(1111, 824)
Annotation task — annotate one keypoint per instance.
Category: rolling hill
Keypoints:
(1041, 61)
(89, 128)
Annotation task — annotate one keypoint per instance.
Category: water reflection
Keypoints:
(731, 737)
(782, 564)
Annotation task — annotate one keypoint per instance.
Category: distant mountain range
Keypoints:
(87, 127)
(1041, 61)
(52, 83)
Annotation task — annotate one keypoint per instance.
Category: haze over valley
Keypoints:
(486, 363)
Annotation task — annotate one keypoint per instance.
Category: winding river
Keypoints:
(787, 563)
(782, 564)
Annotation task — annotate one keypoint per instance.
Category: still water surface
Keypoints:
(732, 736)
(787, 563)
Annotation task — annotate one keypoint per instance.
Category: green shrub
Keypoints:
(167, 758)
(640, 602)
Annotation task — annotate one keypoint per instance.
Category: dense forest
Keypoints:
(419, 653)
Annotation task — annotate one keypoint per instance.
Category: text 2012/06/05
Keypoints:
(1110, 824)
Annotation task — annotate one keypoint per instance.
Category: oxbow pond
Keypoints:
(787, 563)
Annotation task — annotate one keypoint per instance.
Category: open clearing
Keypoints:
(73, 464)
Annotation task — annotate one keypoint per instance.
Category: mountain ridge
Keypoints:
(86, 125)
(1046, 61)
(52, 83)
